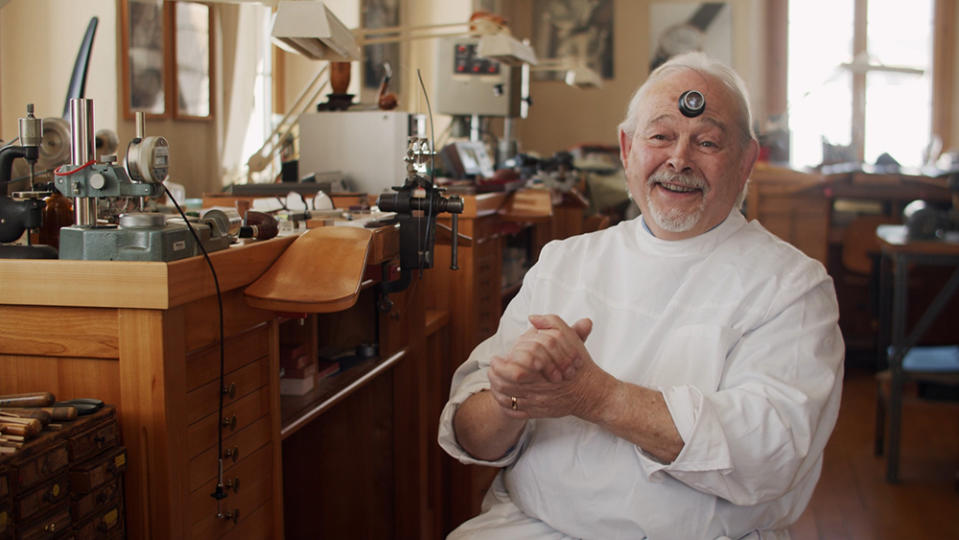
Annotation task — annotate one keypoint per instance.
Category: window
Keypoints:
(859, 80)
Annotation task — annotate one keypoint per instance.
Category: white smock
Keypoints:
(737, 328)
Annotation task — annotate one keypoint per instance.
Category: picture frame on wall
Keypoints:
(166, 59)
(677, 28)
(380, 14)
(580, 29)
(144, 66)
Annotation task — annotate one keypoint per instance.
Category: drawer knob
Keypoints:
(232, 453)
(230, 422)
(230, 390)
(233, 516)
(233, 484)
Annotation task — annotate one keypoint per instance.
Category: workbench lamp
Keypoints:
(310, 28)
(576, 72)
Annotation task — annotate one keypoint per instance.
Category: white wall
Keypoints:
(39, 40)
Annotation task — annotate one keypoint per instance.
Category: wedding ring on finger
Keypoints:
(512, 403)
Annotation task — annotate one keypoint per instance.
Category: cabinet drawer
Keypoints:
(240, 444)
(202, 434)
(91, 474)
(203, 365)
(82, 506)
(259, 524)
(205, 399)
(255, 488)
(38, 467)
(6, 522)
(104, 434)
(42, 498)
(56, 524)
(105, 524)
(201, 322)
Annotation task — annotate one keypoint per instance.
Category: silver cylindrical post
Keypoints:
(82, 151)
(81, 131)
(141, 124)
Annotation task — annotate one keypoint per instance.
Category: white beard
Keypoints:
(675, 219)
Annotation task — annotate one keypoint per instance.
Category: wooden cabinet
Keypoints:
(143, 336)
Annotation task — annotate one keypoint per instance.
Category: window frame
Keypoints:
(943, 53)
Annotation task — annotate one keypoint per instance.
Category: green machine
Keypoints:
(137, 236)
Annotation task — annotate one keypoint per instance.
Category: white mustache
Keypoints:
(680, 179)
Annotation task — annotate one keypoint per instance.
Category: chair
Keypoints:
(909, 363)
(936, 365)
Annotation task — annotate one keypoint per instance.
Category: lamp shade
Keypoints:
(311, 29)
(506, 49)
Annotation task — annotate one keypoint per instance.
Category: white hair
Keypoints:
(701, 63)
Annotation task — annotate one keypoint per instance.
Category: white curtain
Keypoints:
(245, 46)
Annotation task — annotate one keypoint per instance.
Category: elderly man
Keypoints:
(675, 376)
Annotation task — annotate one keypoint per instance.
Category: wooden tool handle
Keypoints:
(33, 399)
(61, 412)
(42, 415)
(25, 429)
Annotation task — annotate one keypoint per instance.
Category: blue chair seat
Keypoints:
(932, 359)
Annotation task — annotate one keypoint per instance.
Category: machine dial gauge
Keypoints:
(148, 160)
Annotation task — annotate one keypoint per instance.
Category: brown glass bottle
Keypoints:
(57, 213)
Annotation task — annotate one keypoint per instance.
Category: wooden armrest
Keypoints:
(320, 272)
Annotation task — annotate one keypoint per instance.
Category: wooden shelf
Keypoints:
(297, 411)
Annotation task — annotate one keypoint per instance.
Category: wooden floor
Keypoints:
(853, 499)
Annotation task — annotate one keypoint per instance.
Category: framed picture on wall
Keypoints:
(685, 27)
(380, 14)
(193, 45)
(580, 29)
(166, 59)
(144, 66)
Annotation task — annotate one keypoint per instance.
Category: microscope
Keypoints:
(23, 211)
(138, 235)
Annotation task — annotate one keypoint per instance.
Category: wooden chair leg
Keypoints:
(880, 421)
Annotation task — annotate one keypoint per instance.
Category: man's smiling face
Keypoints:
(686, 173)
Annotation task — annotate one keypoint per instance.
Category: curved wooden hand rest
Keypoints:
(320, 272)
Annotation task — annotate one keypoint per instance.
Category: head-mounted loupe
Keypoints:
(692, 103)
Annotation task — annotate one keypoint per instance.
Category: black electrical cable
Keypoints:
(219, 493)
(429, 212)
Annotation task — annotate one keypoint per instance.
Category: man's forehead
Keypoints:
(670, 117)
(662, 97)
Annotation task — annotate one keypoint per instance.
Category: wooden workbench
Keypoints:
(143, 336)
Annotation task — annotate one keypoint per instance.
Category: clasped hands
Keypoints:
(548, 373)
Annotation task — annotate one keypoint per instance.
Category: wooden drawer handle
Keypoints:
(233, 484)
(233, 516)
(232, 453)
(230, 422)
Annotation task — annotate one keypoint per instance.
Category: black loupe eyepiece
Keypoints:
(692, 103)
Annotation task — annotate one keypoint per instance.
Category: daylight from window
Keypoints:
(820, 89)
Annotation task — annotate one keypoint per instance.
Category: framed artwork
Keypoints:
(166, 54)
(380, 14)
(684, 27)
(576, 28)
(144, 67)
(193, 45)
